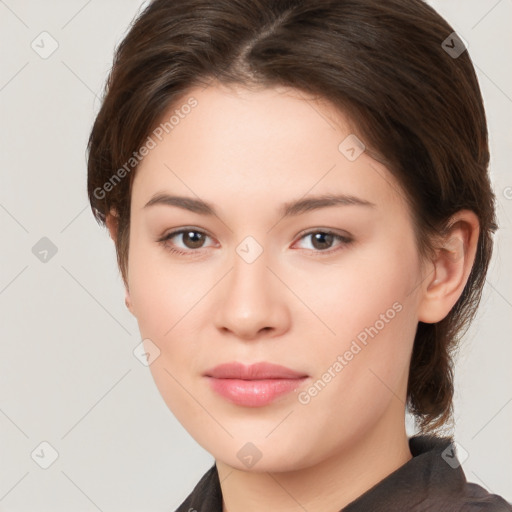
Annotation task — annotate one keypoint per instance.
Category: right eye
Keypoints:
(191, 240)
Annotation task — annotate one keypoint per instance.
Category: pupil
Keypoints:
(325, 238)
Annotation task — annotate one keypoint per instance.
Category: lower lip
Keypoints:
(253, 393)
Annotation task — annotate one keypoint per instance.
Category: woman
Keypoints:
(303, 219)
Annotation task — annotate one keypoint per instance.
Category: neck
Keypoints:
(329, 485)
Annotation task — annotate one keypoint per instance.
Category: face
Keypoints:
(287, 247)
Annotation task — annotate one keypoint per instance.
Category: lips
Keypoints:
(255, 385)
(258, 371)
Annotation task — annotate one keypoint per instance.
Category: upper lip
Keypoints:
(257, 371)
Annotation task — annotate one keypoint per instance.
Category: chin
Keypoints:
(261, 455)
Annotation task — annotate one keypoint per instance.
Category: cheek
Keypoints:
(351, 295)
(162, 294)
(371, 307)
(168, 305)
(165, 304)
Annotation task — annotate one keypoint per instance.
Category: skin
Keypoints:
(247, 153)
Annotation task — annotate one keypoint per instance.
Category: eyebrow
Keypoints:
(288, 209)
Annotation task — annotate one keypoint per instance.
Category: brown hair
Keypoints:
(416, 105)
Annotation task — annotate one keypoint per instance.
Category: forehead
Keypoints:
(264, 143)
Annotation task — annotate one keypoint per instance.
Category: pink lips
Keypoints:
(255, 385)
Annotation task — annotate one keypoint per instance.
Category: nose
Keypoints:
(251, 301)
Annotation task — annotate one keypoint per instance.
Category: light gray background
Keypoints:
(67, 372)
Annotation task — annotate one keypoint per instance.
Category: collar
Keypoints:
(432, 481)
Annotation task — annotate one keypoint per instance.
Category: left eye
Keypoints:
(323, 240)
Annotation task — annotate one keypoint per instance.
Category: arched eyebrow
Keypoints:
(291, 208)
(307, 204)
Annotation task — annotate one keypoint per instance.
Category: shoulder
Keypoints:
(431, 481)
(477, 499)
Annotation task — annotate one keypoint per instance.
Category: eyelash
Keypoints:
(345, 240)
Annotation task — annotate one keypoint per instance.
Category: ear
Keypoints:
(112, 222)
(449, 271)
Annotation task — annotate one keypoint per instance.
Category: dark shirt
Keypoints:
(432, 481)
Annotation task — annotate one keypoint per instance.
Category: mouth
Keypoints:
(255, 385)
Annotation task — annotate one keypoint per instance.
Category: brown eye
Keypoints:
(184, 241)
(323, 241)
(193, 239)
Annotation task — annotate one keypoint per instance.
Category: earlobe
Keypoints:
(111, 221)
(128, 302)
(451, 268)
